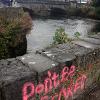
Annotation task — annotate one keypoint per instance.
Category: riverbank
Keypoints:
(14, 26)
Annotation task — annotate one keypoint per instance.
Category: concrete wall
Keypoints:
(18, 75)
(34, 67)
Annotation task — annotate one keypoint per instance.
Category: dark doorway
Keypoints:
(57, 12)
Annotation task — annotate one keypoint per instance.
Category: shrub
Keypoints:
(12, 34)
(60, 36)
(97, 9)
(96, 3)
(25, 23)
(77, 35)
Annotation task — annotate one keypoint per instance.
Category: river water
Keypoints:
(43, 30)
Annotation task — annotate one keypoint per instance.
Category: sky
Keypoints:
(6, 2)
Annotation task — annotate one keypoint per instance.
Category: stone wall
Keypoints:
(22, 77)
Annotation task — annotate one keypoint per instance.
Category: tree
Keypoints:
(96, 3)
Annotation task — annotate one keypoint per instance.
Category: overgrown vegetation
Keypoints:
(60, 36)
(12, 33)
(77, 35)
(91, 11)
(96, 6)
(96, 3)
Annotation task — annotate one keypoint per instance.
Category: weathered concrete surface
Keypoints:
(13, 75)
(91, 56)
(34, 67)
(58, 50)
(40, 64)
(95, 36)
(86, 44)
(77, 54)
(91, 93)
(94, 95)
(59, 53)
(92, 40)
(92, 87)
(37, 62)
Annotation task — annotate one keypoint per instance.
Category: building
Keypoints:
(7, 3)
(83, 1)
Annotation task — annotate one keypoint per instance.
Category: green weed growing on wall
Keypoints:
(60, 36)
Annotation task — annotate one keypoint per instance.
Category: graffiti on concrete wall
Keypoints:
(53, 81)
